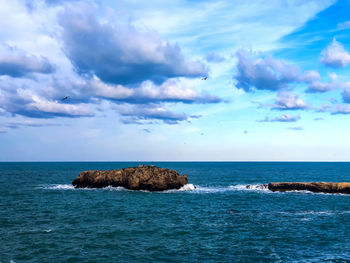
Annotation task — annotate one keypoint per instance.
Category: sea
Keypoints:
(215, 218)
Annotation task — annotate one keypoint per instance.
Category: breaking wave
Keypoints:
(57, 187)
(185, 188)
(188, 188)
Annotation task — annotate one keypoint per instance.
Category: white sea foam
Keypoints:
(57, 187)
(315, 213)
(187, 187)
(249, 187)
(211, 189)
(220, 189)
(114, 188)
(190, 188)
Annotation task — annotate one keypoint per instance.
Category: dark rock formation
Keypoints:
(319, 187)
(143, 177)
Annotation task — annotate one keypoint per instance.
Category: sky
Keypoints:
(179, 80)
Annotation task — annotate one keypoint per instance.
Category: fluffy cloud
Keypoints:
(340, 109)
(121, 54)
(81, 55)
(264, 73)
(316, 85)
(16, 63)
(141, 114)
(282, 118)
(335, 55)
(270, 74)
(171, 90)
(335, 109)
(22, 101)
(289, 101)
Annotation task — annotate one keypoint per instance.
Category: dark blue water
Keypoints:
(42, 219)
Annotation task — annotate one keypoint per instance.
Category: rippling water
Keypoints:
(215, 219)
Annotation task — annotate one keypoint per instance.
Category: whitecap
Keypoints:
(249, 187)
(187, 187)
(57, 187)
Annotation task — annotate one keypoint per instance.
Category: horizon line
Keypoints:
(189, 161)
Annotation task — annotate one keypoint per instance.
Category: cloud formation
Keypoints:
(22, 101)
(340, 109)
(289, 101)
(316, 85)
(282, 118)
(264, 73)
(147, 92)
(121, 54)
(16, 63)
(141, 114)
(335, 55)
(81, 53)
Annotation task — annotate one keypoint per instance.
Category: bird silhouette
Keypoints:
(65, 98)
(204, 78)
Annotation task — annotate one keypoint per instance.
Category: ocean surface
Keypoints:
(44, 219)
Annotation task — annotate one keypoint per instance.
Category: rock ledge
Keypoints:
(317, 187)
(143, 177)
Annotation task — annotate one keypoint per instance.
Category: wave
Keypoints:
(57, 187)
(188, 188)
(250, 187)
(185, 188)
(220, 189)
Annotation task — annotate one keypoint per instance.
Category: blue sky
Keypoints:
(277, 87)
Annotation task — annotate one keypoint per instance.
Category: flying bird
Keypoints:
(65, 98)
(204, 78)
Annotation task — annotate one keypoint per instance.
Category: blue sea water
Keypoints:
(44, 219)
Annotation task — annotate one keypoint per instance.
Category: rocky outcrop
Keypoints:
(143, 177)
(319, 187)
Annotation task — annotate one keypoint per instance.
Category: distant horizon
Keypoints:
(304, 161)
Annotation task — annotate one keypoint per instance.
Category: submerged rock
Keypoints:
(143, 177)
(318, 187)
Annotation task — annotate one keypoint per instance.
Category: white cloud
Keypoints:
(315, 85)
(282, 118)
(16, 63)
(172, 90)
(340, 109)
(264, 73)
(121, 54)
(24, 101)
(335, 55)
(145, 114)
(53, 108)
(289, 101)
